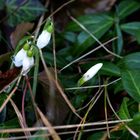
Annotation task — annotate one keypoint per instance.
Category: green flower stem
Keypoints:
(35, 70)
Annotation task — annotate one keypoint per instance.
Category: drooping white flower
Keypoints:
(18, 59)
(43, 39)
(28, 62)
(45, 36)
(90, 73)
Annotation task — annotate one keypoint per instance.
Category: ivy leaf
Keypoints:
(23, 11)
(126, 8)
(130, 80)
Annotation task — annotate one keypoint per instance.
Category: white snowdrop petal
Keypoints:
(92, 71)
(18, 59)
(43, 39)
(28, 62)
(89, 74)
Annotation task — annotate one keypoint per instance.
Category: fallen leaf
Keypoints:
(19, 32)
(55, 106)
(7, 77)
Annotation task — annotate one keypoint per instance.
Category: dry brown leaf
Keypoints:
(91, 6)
(19, 32)
(46, 122)
(55, 106)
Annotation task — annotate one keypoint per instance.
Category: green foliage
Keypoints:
(97, 24)
(131, 61)
(19, 12)
(72, 43)
(123, 111)
(126, 8)
(130, 79)
(132, 28)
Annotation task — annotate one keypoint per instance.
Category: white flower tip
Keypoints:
(90, 73)
(99, 65)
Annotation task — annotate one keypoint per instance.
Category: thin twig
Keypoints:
(57, 85)
(88, 53)
(23, 108)
(93, 36)
(40, 22)
(105, 109)
(93, 98)
(32, 129)
(57, 10)
(60, 133)
(128, 128)
(11, 94)
(20, 118)
(54, 52)
(47, 124)
(96, 86)
(84, 118)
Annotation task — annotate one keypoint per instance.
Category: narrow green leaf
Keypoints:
(119, 40)
(123, 111)
(132, 28)
(126, 8)
(131, 83)
(36, 68)
(97, 24)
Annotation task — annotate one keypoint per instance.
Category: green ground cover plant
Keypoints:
(68, 74)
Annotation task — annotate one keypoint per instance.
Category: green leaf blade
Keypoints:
(131, 84)
(126, 8)
(97, 24)
(131, 61)
(132, 28)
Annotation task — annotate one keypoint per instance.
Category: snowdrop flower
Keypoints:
(18, 59)
(90, 73)
(45, 36)
(28, 62)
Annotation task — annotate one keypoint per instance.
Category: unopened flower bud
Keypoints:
(90, 73)
(26, 47)
(30, 53)
(44, 38)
